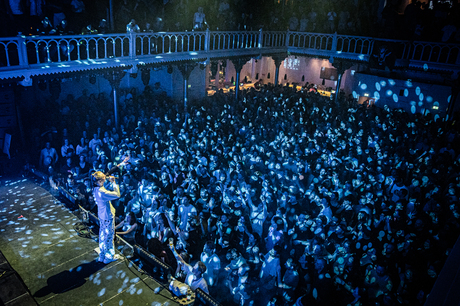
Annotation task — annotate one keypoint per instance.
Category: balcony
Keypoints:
(23, 57)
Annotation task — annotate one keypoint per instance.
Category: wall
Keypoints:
(8, 120)
(294, 67)
(196, 84)
(170, 83)
(413, 97)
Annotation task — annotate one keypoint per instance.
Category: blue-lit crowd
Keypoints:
(287, 197)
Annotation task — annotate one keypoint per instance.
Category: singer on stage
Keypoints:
(106, 212)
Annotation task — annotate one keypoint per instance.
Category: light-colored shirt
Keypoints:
(185, 213)
(199, 17)
(195, 283)
(102, 196)
(131, 234)
(212, 264)
(64, 149)
(80, 149)
(93, 144)
(48, 156)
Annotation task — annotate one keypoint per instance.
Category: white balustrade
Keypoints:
(27, 51)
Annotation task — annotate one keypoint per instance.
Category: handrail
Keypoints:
(23, 51)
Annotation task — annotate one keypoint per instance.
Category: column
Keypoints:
(16, 93)
(278, 60)
(114, 77)
(214, 67)
(238, 63)
(185, 70)
(455, 85)
(341, 66)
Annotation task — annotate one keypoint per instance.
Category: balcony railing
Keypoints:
(28, 51)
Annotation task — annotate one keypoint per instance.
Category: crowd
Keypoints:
(427, 20)
(422, 21)
(284, 195)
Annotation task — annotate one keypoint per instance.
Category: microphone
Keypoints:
(111, 178)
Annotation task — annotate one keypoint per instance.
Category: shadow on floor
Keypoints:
(69, 279)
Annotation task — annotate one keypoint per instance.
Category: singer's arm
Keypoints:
(115, 168)
(107, 195)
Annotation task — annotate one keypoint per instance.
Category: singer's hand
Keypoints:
(111, 179)
(123, 162)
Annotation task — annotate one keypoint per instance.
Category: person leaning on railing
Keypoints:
(132, 27)
(194, 277)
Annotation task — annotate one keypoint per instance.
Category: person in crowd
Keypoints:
(331, 20)
(160, 228)
(67, 150)
(94, 143)
(212, 262)
(132, 27)
(68, 167)
(199, 20)
(129, 227)
(293, 22)
(82, 147)
(303, 23)
(270, 274)
(194, 275)
(187, 212)
(290, 281)
(48, 156)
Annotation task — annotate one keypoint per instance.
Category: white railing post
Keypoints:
(22, 51)
(132, 45)
(207, 40)
(261, 38)
(371, 46)
(334, 42)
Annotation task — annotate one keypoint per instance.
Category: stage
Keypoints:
(58, 267)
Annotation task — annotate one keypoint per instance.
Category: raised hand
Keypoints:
(124, 161)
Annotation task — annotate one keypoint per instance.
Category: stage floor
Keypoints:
(59, 267)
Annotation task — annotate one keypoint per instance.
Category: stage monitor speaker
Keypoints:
(13, 291)
(162, 269)
(204, 299)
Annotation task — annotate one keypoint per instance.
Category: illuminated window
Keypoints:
(292, 63)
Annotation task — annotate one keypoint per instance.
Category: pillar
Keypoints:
(114, 77)
(278, 60)
(337, 88)
(341, 66)
(185, 70)
(455, 85)
(115, 105)
(214, 67)
(238, 63)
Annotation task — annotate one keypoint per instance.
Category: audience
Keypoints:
(316, 200)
